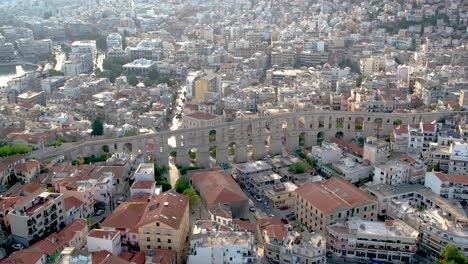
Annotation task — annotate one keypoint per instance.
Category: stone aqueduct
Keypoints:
(261, 136)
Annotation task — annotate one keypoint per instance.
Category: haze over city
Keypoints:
(233, 131)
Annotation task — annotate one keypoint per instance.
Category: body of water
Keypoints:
(9, 72)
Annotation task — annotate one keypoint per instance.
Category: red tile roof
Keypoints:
(72, 202)
(13, 158)
(202, 115)
(105, 257)
(347, 146)
(168, 208)
(25, 256)
(143, 185)
(218, 187)
(455, 178)
(126, 215)
(103, 234)
(27, 166)
(333, 195)
(57, 241)
(164, 256)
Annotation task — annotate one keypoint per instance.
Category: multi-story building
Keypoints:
(281, 194)
(84, 53)
(83, 191)
(209, 245)
(36, 216)
(372, 65)
(30, 99)
(320, 204)
(349, 170)
(208, 83)
(109, 240)
(437, 156)
(245, 171)
(458, 158)
(282, 245)
(393, 240)
(114, 41)
(125, 219)
(144, 172)
(327, 153)
(140, 67)
(376, 150)
(165, 224)
(392, 172)
(450, 186)
(200, 119)
(28, 170)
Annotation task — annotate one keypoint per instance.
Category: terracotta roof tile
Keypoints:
(72, 202)
(27, 166)
(164, 256)
(168, 208)
(218, 187)
(333, 195)
(103, 234)
(105, 257)
(455, 178)
(202, 115)
(126, 215)
(25, 256)
(143, 185)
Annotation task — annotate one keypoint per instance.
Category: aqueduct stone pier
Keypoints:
(260, 136)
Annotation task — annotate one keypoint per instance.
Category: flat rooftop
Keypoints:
(252, 167)
(384, 190)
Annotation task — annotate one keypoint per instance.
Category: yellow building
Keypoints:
(321, 204)
(207, 83)
(165, 224)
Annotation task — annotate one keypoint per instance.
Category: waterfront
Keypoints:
(8, 72)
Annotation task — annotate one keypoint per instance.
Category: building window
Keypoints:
(148, 239)
(169, 241)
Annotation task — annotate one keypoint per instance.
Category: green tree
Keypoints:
(101, 43)
(192, 154)
(8, 150)
(98, 127)
(147, 82)
(153, 75)
(298, 167)
(397, 122)
(132, 80)
(53, 72)
(361, 141)
(182, 184)
(359, 80)
(194, 198)
(451, 255)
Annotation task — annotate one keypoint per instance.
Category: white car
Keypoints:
(18, 246)
(120, 200)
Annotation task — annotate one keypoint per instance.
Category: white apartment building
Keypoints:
(84, 52)
(99, 239)
(458, 158)
(245, 171)
(450, 186)
(393, 240)
(144, 172)
(221, 247)
(114, 41)
(376, 150)
(392, 172)
(327, 153)
(36, 216)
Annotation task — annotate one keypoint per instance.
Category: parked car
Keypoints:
(266, 205)
(18, 246)
(252, 209)
(245, 219)
(258, 198)
(284, 207)
(120, 200)
(99, 212)
(329, 254)
(285, 221)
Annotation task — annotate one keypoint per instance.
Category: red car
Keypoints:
(284, 207)
(284, 220)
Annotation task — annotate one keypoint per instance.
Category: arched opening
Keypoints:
(172, 141)
(212, 136)
(321, 122)
(320, 138)
(397, 122)
(128, 147)
(339, 122)
(193, 155)
(301, 122)
(329, 122)
(358, 123)
(105, 149)
(378, 122)
(302, 139)
(173, 156)
(250, 148)
(249, 130)
(339, 134)
(232, 149)
(231, 133)
(213, 154)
